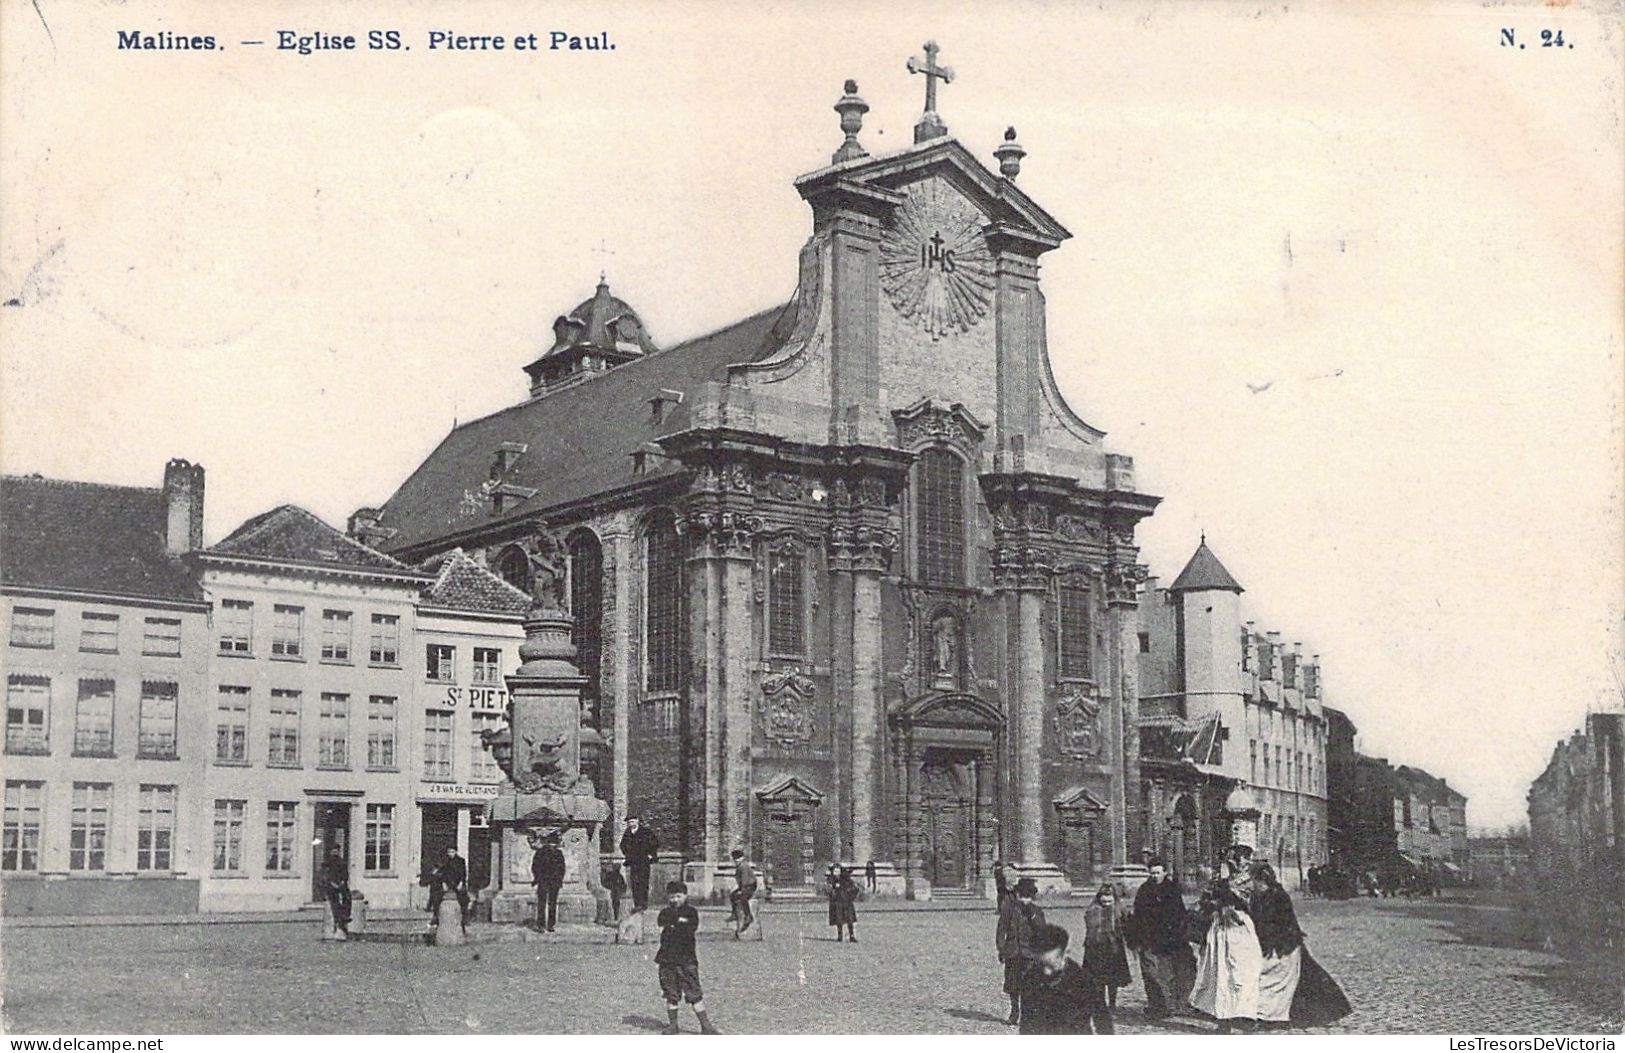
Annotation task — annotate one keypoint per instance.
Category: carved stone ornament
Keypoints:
(1077, 528)
(934, 261)
(787, 700)
(1077, 726)
(927, 422)
(1123, 582)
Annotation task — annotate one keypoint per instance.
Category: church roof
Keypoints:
(462, 584)
(89, 537)
(1203, 573)
(290, 535)
(578, 440)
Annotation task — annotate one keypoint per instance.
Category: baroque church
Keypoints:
(850, 580)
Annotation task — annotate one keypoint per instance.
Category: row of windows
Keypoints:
(230, 847)
(98, 631)
(440, 664)
(28, 717)
(1291, 833)
(1292, 768)
(234, 625)
(90, 821)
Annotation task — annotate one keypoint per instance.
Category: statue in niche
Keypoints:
(945, 651)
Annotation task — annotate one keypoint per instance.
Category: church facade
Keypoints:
(850, 579)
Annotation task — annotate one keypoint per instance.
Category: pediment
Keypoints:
(789, 788)
(1079, 799)
(878, 183)
(951, 709)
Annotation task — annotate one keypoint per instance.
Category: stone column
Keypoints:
(619, 627)
(703, 606)
(736, 646)
(866, 694)
(1128, 810)
(1029, 730)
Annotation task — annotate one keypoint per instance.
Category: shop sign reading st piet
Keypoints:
(479, 699)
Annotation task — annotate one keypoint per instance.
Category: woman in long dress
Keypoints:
(1281, 942)
(1228, 966)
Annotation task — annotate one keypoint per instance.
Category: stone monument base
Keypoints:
(1049, 878)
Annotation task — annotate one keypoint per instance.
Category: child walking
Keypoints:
(679, 964)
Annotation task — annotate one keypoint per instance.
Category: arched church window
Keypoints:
(1073, 625)
(786, 602)
(587, 609)
(663, 603)
(940, 531)
(513, 567)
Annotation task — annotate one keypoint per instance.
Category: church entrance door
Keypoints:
(783, 851)
(948, 801)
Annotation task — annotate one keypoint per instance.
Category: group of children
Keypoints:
(1051, 994)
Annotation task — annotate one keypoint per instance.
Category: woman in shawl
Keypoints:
(1105, 956)
(843, 898)
(1281, 942)
(1228, 966)
(1293, 988)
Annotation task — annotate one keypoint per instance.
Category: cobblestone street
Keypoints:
(1456, 967)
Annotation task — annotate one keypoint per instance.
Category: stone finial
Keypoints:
(851, 108)
(1010, 154)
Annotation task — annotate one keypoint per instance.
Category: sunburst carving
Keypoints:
(934, 261)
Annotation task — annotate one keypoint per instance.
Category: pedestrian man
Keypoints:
(452, 877)
(336, 884)
(871, 878)
(547, 869)
(744, 889)
(677, 960)
(640, 849)
(1156, 930)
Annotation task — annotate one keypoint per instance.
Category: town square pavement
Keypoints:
(1457, 966)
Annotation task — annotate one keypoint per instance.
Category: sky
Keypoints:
(1345, 279)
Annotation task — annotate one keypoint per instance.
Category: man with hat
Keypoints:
(547, 869)
(1019, 918)
(640, 850)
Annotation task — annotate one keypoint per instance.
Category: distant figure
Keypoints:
(640, 850)
(677, 960)
(1057, 995)
(1157, 931)
(336, 884)
(1105, 956)
(1019, 918)
(1001, 882)
(843, 899)
(547, 869)
(615, 885)
(744, 889)
(451, 876)
(870, 877)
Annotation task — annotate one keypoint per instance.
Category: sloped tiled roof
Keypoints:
(580, 439)
(462, 584)
(89, 537)
(289, 534)
(1204, 572)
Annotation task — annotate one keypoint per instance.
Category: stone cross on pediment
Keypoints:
(930, 125)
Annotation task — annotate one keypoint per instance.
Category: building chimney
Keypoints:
(183, 506)
(363, 526)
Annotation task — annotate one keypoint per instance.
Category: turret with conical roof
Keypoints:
(602, 332)
(1204, 571)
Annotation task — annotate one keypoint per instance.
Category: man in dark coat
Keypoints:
(1019, 918)
(1156, 930)
(336, 883)
(547, 869)
(452, 876)
(640, 850)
